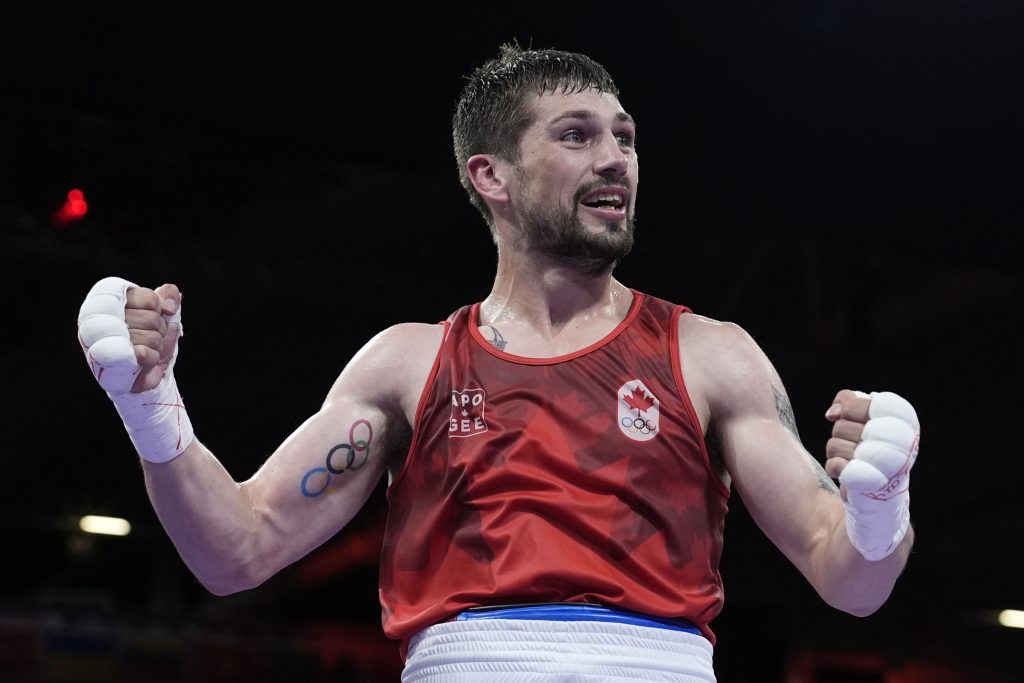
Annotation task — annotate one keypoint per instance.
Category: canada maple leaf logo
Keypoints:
(638, 411)
(638, 400)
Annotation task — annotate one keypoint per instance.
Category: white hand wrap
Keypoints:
(877, 480)
(156, 419)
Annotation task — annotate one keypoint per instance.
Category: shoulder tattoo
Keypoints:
(497, 341)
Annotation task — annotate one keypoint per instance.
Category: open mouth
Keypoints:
(609, 202)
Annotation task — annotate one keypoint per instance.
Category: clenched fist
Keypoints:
(874, 445)
(129, 333)
(130, 338)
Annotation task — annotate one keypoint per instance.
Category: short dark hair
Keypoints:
(491, 115)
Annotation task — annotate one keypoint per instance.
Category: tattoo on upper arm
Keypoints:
(785, 410)
(341, 458)
(824, 481)
(498, 341)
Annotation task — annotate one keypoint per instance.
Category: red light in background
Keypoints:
(73, 210)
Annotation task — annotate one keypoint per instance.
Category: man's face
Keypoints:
(575, 189)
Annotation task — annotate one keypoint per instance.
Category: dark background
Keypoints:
(841, 179)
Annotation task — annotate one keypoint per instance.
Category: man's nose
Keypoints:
(611, 161)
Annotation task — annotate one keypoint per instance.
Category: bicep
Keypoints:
(784, 488)
(322, 474)
(320, 477)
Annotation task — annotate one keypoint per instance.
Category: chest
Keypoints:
(526, 341)
(621, 400)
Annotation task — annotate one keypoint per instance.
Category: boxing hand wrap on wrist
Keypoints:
(877, 480)
(156, 419)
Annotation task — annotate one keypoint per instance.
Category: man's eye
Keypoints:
(625, 139)
(572, 136)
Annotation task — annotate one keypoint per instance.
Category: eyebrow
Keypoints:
(587, 114)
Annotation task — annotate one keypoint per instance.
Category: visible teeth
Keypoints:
(606, 197)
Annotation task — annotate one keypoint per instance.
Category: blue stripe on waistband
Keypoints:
(576, 612)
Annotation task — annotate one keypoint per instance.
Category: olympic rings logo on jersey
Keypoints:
(638, 424)
(639, 411)
(353, 455)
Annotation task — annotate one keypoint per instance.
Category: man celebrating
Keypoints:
(560, 455)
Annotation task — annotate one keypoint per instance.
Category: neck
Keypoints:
(549, 295)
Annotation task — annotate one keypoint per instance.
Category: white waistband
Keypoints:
(525, 651)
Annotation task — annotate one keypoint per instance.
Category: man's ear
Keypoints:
(489, 176)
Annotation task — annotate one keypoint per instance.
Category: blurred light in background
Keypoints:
(1011, 618)
(108, 526)
(74, 209)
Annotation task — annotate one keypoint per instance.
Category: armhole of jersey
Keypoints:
(421, 406)
(677, 370)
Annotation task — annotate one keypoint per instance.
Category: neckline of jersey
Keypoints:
(477, 336)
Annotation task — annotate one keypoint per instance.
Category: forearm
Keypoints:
(210, 518)
(234, 536)
(851, 583)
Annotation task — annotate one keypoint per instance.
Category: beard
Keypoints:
(560, 234)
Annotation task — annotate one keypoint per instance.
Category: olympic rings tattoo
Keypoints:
(356, 453)
(638, 424)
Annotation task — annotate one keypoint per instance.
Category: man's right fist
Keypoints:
(130, 337)
(154, 323)
(129, 333)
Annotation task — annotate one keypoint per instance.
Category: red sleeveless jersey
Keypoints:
(580, 478)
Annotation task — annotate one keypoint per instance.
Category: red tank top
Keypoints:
(580, 478)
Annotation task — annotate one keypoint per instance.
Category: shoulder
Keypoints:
(706, 336)
(394, 364)
(721, 361)
(405, 339)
